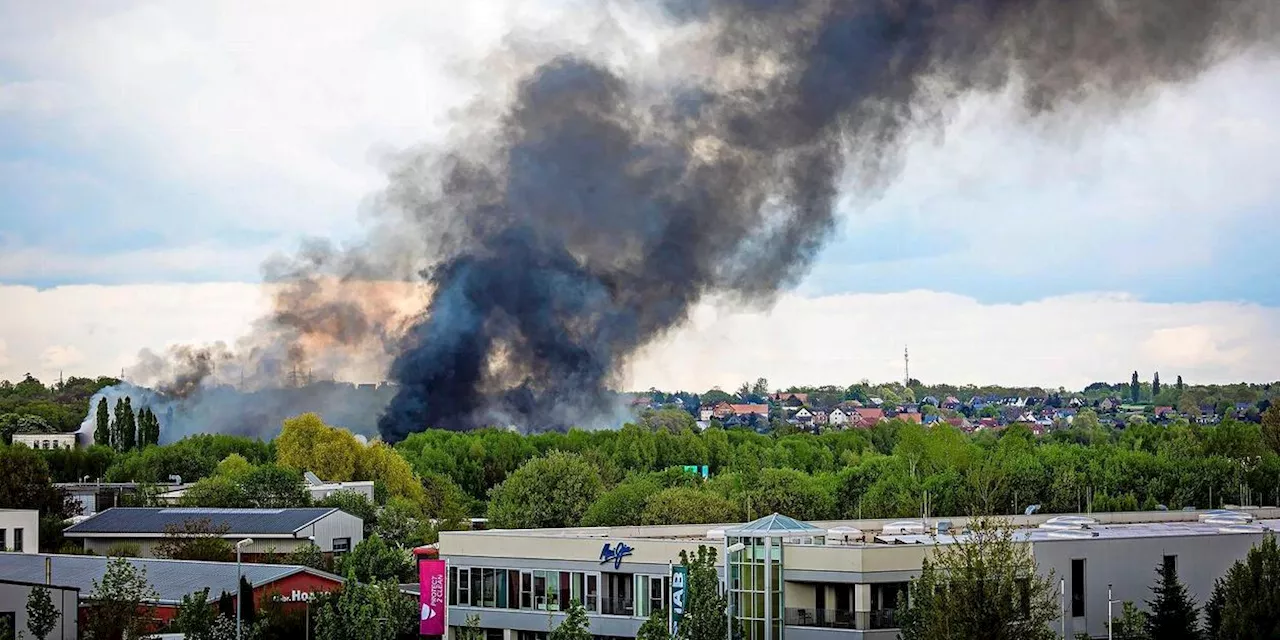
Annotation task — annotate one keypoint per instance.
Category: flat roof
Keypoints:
(172, 579)
(1113, 525)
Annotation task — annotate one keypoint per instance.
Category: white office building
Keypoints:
(19, 530)
(792, 580)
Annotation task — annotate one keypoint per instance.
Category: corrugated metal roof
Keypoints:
(172, 579)
(238, 521)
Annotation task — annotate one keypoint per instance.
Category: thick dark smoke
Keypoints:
(606, 209)
(542, 252)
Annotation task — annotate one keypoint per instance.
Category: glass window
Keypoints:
(512, 592)
(657, 593)
(17, 539)
(4, 539)
(575, 587)
(341, 545)
(489, 595)
(526, 589)
(564, 591)
(453, 585)
(642, 596)
(593, 590)
(540, 589)
(464, 587)
(477, 592)
(1077, 588)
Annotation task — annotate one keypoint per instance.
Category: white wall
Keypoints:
(13, 599)
(11, 520)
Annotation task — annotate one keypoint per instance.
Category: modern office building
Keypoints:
(825, 580)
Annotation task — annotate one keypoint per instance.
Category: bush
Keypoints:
(124, 550)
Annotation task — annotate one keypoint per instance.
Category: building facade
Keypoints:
(14, 595)
(19, 530)
(791, 580)
(46, 440)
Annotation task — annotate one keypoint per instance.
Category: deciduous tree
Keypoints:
(42, 616)
(1246, 601)
(985, 585)
(553, 491)
(575, 625)
(195, 539)
(102, 427)
(705, 603)
(119, 606)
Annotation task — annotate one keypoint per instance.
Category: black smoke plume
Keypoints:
(607, 207)
(605, 201)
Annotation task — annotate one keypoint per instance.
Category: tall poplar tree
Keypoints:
(1155, 386)
(129, 431)
(102, 431)
(117, 427)
(1134, 387)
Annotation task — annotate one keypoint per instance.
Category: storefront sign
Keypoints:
(679, 581)
(431, 595)
(615, 553)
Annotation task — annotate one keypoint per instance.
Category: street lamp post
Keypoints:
(239, 577)
(1110, 618)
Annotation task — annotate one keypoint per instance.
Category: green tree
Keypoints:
(128, 427)
(373, 560)
(1246, 601)
(471, 629)
(308, 555)
(102, 429)
(1134, 387)
(42, 616)
(1271, 427)
(553, 491)
(622, 505)
(685, 505)
(655, 627)
(196, 616)
(1178, 384)
(195, 539)
(1173, 614)
(367, 611)
(401, 524)
(983, 586)
(215, 492)
(761, 387)
(575, 625)
(1131, 625)
(272, 487)
(119, 606)
(705, 603)
(1155, 385)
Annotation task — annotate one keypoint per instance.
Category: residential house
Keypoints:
(19, 531)
(803, 416)
(787, 398)
(868, 416)
(876, 402)
(705, 413)
(961, 423)
(820, 417)
(280, 531)
(910, 416)
(837, 417)
(761, 410)
(1164, 413)
(950, 402)
(929, 400)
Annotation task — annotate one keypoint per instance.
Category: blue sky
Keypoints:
(146, 143)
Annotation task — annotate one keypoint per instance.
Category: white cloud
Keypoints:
(60, 356)
(1069, 341)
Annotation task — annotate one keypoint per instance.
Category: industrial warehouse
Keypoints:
(822, 580)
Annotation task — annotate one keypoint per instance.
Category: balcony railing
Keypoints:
(842, 619)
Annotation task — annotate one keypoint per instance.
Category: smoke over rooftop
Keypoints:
(508, 278)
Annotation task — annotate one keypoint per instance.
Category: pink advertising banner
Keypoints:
(431, 594)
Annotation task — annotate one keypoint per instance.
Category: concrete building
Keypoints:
(826, 580)
(279, 531)
(46, 440)
(171, 579)
(319, 489)
(14, 595)
(19, 530)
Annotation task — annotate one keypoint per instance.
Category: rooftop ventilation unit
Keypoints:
(1224, 517)
(1068, 523)
(715, 534)
(904, 527)
(944, 527)
(1243, 528)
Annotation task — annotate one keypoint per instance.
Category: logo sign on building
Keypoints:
(431, 595)
(679, 589)
(615, 553)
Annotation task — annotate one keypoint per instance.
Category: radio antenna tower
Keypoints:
(906, 368)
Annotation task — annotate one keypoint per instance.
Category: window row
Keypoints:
(619, 594)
